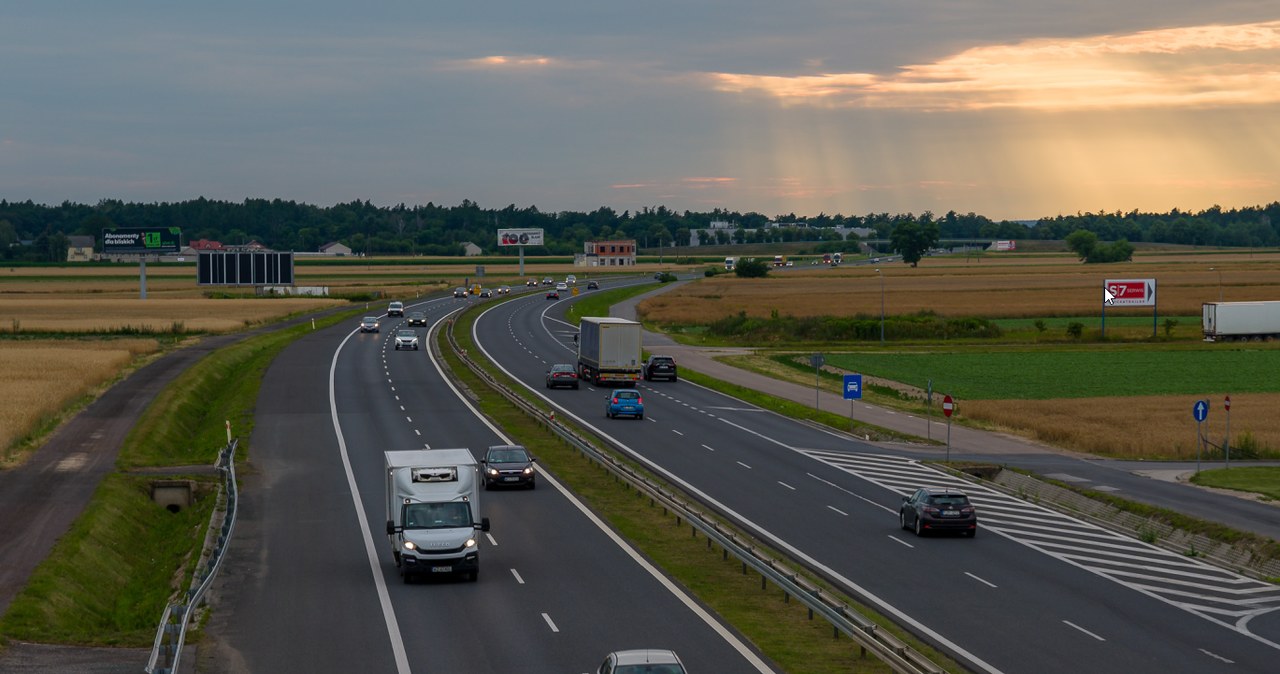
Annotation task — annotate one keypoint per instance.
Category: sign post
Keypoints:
(1199, 411)
(928, 411)
(852, 392)
(948, 406)
(816, 360)
(1226, 443)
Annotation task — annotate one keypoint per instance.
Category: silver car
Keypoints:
(642, 661)
(406, 339)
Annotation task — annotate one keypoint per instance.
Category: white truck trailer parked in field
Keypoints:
(1227, 321)
(609, 351)
(433, 512)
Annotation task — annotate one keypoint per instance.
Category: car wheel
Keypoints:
(532, 484)
(575, 387)
(972, 533)
(902, 520)
(474, 576)
(640, 417)
(919, 527)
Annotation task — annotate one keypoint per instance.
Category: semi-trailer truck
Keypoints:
(609, 351)
(1228, 321)
(433, 512)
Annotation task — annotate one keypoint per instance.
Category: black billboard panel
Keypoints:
(258, 268)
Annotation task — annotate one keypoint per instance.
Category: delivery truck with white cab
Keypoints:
(433, 512)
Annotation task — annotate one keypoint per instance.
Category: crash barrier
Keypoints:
(868, 635)
(172, 632)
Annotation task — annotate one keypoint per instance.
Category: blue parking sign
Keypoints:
(852, 387)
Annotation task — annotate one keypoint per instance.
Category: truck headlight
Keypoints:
(408, 545)
(471, 543)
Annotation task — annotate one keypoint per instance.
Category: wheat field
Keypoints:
(38, 378)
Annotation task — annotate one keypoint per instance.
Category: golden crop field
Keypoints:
(1016, 287)
(38, 378)
(109, 314)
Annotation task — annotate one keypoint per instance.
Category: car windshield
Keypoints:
(949, 500)
(562, 368)
(437, 515)
(406, 333)
(626, 394)
(370, 319)
(508, 456)
(649, 668)
(661, 361)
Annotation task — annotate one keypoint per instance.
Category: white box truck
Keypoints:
(609, 351)
(433, 512)
(1228, 321)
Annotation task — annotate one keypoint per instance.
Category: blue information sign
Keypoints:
(1201, 410)
(852, 387)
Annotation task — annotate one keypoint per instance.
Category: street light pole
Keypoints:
(1219, 282)
(881, 305)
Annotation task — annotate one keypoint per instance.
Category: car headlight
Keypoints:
(471, 543)
(492, 472)
(408, 545)
(528, 470)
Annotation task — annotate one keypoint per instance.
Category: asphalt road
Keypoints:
(310, 584)
(1036, 592)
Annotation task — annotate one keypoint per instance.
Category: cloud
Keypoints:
(498, 62)
(1198, 66)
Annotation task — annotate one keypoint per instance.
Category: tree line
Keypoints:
(38, 232)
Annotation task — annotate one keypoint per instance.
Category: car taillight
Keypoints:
(639, 401)
(573, 375)
(615, 401)
(931, 510)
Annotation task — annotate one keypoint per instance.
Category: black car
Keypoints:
(508, 466)
(592, 285)
(553, 295)
(936, 509)
(660, 367)
(562, 374)
(417, 318)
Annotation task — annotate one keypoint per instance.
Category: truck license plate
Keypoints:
(441, 569)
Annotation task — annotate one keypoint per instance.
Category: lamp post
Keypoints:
(881, 305)
(1219, 281)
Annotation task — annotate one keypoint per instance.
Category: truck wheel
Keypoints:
(474, 576)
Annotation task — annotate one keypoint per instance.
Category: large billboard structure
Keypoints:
(234, 268)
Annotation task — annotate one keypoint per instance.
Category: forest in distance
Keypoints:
(36, 232)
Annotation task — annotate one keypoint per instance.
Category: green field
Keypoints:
(1088, 373)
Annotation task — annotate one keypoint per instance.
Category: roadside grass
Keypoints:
(781, 629)
(1264, 480)
(108, 580)
(597, 303)
(1001, 374)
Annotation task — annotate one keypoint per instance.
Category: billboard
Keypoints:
(234, 268)
(1006, 245)
(520, 237)
(141, 240)
(1129, 292)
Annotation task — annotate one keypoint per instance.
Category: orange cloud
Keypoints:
(1197, 66)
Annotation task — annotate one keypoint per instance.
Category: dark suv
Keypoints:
(508, 466)
(936, 509)
(660, 367)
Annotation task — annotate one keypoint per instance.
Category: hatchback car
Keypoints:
(936, 509)
(459, 292)
(395, 309)
(562, 286)
(369, 324)
(508, 466)
(548, 281)
(592, 285)
(504, 290)
(660, 367)
(417, 318)
(531, 283)
(624, 402)
(485, 293)
(553, 294)
(562, 374)
(644, 661)
(571, 280)
(406, 339)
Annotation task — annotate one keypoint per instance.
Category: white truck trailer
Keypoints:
(433, 512)
(1228, 321)
(609, 351)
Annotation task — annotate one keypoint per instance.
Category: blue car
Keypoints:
(623, 402)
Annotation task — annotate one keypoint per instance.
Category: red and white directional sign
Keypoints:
(948, 405)
(1139, 292)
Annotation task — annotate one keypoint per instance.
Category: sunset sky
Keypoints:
(1014, 110)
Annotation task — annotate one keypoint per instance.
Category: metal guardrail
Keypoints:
(888, 648)
(172, 632)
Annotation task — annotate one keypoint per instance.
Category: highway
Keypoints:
(309, 583)
(1035, 592)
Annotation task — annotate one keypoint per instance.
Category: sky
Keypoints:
(1012, 109)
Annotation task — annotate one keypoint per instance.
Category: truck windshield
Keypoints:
(437, 515)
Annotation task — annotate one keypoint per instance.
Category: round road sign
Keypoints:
(1227, 403)
(947, 405)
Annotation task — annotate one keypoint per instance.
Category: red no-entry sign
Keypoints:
(1227, 403)
(947, 405)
